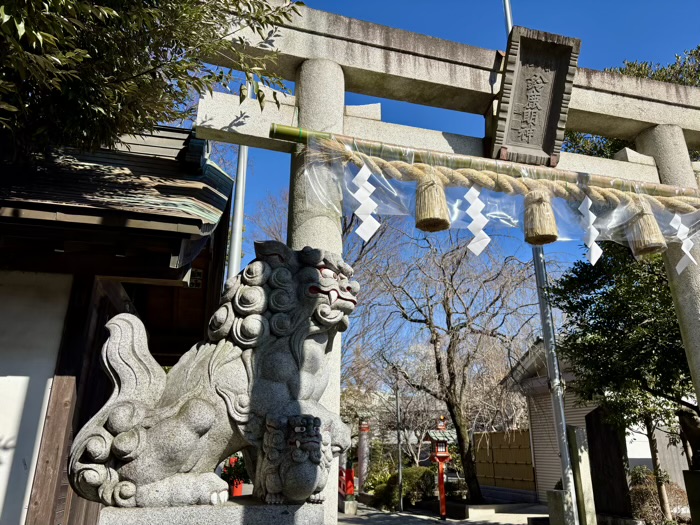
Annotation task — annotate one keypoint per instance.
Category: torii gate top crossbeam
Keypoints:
(401, 65)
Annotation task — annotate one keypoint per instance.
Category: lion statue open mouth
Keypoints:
(254, 386)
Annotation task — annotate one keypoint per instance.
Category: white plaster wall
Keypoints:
(671, 457)
(32, 310)
(638, 452)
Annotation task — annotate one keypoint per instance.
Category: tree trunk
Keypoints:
(410, 451)
(465, 452)
(656, 464)
(688, 451)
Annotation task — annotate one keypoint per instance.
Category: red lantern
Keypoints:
(440, 454)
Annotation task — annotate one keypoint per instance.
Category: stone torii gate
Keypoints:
(327, 55)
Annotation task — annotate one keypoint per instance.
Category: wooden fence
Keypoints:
(503, 459)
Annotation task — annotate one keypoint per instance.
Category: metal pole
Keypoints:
(556, 386)
(555, 383)
(398, 441)
(236, 244)
(509, 16)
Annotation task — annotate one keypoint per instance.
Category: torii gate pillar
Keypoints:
(320, 96)
(667, 145)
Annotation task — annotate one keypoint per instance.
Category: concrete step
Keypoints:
(484, 511)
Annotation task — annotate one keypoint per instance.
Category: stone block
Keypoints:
(561, 508)
(245, 510)
(347, 507)
(692, 488)
(368, 111)
(534, 101)
(578, 448)
(629, 155)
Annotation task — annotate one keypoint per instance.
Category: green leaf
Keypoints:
(142, 76)
(20, 28)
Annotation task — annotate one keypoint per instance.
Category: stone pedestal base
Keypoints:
(245, 511)
(692, 488)
(347, 507)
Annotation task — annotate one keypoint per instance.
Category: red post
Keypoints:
(237, 488)
(349, 482)
(441, 487)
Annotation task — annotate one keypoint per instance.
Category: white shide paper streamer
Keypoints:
(368, 224)
(594, 251)
(682, 233)
(479, 221)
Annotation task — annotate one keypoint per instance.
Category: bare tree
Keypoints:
(448, 321)
(269, 221)
(225, 155)
(419, 413)
(472, 312)
(361, 369)
(495, 407)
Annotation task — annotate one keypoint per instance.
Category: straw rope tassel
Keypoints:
(643, 233)
(540, 224)
(432, 214)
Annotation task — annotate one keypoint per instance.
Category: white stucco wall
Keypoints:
(32, 311)
(671, 457)
(638, 452)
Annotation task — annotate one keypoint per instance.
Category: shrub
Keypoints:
(456, 489)
(374, 479)
(645, 498)
(381, 498)
(418, 484)
(380, 467)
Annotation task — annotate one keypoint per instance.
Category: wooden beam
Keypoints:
(217, 264)
(60, 411)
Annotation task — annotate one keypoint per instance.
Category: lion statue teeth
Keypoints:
(254, 386)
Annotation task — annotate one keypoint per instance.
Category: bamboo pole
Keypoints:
(514, 169)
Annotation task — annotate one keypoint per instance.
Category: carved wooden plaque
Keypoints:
(534, 98)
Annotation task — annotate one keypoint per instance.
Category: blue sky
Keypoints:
(611, 31)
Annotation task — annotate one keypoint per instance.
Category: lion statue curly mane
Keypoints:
(254, 386)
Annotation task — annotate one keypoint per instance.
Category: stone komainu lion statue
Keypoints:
(254, 387)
